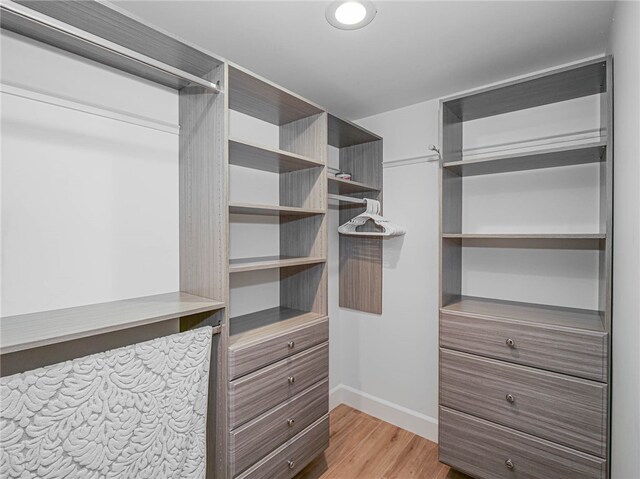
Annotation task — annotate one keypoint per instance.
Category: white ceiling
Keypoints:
(411, 52)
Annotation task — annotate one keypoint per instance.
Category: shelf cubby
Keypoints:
(243, 265)
(340, 186)
(265, 158)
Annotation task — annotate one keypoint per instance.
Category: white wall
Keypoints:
(625, 46)
(388, 364)
(89, 189)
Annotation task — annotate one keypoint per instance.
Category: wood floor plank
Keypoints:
(363, 447)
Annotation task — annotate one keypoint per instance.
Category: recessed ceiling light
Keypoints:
(350, 15)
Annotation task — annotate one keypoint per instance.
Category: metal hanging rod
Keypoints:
(347, 199)
(7, 6)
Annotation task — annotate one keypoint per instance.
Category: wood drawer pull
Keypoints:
(511, 343)
(291, 464)
(290, 422)
(291, 379)
(291, 344)
(509, 464)
(510, 398)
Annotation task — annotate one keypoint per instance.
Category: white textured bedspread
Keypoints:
(134, 412)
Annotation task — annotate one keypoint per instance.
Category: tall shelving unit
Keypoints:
(278, 357)
(524, 387)
(360, 154)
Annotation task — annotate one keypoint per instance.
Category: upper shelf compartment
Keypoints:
(146, 51)
(344, 187)
(266, 101)
(274, 160)
(344, 133)
(548, 158)
(588, 78)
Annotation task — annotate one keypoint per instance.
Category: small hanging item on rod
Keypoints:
(372, 213)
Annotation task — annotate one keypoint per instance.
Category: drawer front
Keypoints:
(575, 352)
(560, 408)
(253, 441)
(243, 360)
(289, 459)
(483, 449)
(258, 392)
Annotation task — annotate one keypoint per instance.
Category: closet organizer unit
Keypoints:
(112, 37)
(360, 154)
(279, 357)
(524, 388)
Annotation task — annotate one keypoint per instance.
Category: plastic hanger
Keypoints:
(372, 213)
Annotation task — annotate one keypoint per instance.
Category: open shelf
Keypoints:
(269, 322)
(343, 133)
(536, 236)
(547, 158)
(575, 81)
(527, 312)
(48, 327)
(266, 101)
(341, 187)
(274, 160)
(270, 262)
(268, 210)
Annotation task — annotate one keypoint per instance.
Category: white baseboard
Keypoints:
(412, 421)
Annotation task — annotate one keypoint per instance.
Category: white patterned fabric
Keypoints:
(135, 412)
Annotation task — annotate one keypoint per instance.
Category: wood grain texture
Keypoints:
(271, 210)
(274, 341)
(240, 265)
(546, 158)
(261, 157)
(258, 392)
(339, 186)
(118, 26)
(346, 133)
(286, 461)
(262, 99)
(253, 441)
(527, 312)
(575, 352)
(481, 448)
(305, 288)
(559, 408)
(32, 330)
(561, 84)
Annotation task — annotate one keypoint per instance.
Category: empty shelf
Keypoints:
(48, 327)
(529, 312)
(250, 155)
(532, 160)
(269, 322)
(543, 236)
(270, 262)
(344, 133)
(267, 210)
(341, 187)
(264, 100)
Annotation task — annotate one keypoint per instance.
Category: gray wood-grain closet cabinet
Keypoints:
(524, 388)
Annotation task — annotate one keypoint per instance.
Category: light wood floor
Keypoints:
(363, 447)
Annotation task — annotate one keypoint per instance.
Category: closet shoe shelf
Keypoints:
(269, 210)
(274, 160)
(49, 327)
(270, 262)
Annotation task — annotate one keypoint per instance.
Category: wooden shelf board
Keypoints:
(527, 312)
(268, 210)
(274, 160)
(263, 324)
(270, 262)
(48, 327)
(340, 187)
(262, 99)
(547, 158)
(535, 236)
(344, 133)
(575, 81)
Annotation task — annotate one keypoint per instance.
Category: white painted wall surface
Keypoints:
(625, 46)
(89, 202)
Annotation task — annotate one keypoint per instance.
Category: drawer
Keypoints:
(290, 458)
(253, 441)
(484, 449)
(563, 409)
(258, 392)
(571, 351)
(245, 358)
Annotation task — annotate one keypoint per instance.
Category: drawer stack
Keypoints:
(278, 396)
(521, 398)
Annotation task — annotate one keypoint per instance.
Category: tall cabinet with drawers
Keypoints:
(524, 386)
